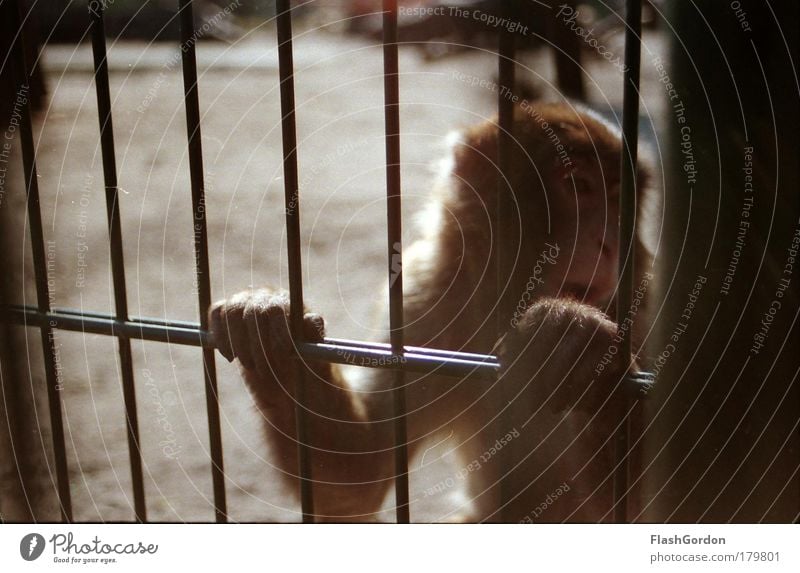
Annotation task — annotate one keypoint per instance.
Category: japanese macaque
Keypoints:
(536, 444)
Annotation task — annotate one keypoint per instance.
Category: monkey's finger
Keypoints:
(233, 319)
(257, 335)
(276, 310)
(271, 361)
(218, 331)
(313, 327)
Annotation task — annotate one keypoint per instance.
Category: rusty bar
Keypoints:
(353, 352)
(20, 69)
(506, 64)
(627, 230)
(391, 95)
(115, 239)
(292, 199)
(200, 227)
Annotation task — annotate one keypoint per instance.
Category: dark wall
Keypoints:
(724, 443)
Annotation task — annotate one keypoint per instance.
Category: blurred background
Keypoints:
(719, 436)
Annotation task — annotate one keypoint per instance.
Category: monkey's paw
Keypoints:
(565, 351)
(253, 326)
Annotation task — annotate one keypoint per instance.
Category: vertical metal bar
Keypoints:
(627, 230)
(20, 68)
(567, 51)
(292, 198)
(506, 63)
(505, 140)
(391, 91)
(117, 262)
(192, 105)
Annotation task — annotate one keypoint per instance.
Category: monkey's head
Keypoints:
(562, 188)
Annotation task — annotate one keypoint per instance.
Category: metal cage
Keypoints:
(125, 327)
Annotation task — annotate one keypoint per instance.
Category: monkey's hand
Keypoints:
(253, 326)
(567, 353)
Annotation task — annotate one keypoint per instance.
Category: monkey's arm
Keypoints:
(350, 453)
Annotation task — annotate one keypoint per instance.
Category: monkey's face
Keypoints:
(563, 178)
(582, 207)
(587, 227)
(580, 192)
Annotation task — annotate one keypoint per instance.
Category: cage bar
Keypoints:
(506, 67)
(341, 351)
(395, 355)
(567, 53)
(391, 94)
(20, 70)
(203, 273)
(173, 332)
(292, 200)
(627, 230)
(115, 238)
(505, 140)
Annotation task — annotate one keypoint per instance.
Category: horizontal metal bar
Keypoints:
(409, 361)
(341, 351)
(338, 350)
(444, 354)
(93, 323)
(183, 324)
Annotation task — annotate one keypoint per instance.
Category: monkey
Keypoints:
(542, 432)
